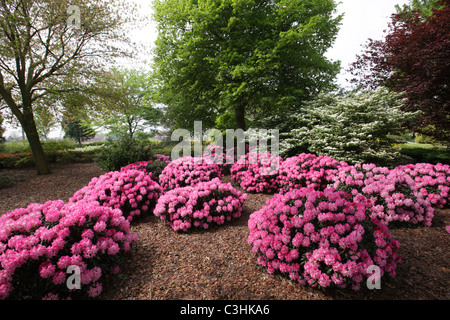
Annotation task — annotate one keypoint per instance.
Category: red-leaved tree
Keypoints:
(414, 58)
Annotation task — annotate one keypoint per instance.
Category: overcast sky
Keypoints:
(363, 19)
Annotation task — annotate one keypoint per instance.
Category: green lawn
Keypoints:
(421, 152)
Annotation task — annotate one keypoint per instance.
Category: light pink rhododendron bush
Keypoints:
(308, 170)
(321, 239)
(199, 206)
(188, 171)
(40, 242)
(219, 155)
(142, 165)
(257, 172)
(394, 195)
(432, 180)
(152, 167)
(132, 191)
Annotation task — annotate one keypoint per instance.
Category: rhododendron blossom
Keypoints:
(394, 194)
(329, 240)
(432, 180)
(257, 172)
(200, 205)
(308, 170)
(131, 191)
(219, 155)
(36, 245)
(153, 166)
(188, 171)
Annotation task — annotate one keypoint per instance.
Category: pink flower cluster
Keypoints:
(307, 170)
(220, 156)
(257, 172)
(321, 238)
(140, 165)
(162, 157)
(188, 171)
(200, 205)
(131, 191)
(432, 180)
(152, 167)
(40, 242)
(393, 193)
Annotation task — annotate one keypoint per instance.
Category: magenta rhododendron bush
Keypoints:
(153, 168)
(162, 157)
(40, 242)
(321, 239)
(308, 170)
(142, 165)
(257, 172)
(393, 193)
(132, 191)
(188, 171)
(219, 155)
(432, 180)
(200, 205)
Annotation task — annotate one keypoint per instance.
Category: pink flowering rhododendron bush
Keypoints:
(199, 206)
(188, 171)
(432, 180)
(219, 155)
(321, 238)
(152, 167)
(39, 243)
(394, 194)
(257, 172)
(308, 170)
(132, 191)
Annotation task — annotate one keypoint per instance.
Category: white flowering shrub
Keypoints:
(356, 128)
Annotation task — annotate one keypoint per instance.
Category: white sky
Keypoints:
(363, 19)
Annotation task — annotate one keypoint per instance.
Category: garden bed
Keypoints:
(218, 263)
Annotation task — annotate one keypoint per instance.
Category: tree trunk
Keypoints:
(239, 111)
(29, 126)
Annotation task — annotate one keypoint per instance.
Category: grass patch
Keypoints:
(421, 152)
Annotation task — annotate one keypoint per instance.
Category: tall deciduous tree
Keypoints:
(78, 130)
(44, 41)
(124, 98)
(414, 58)
(425, 7)
(238, 58)
(2, 130)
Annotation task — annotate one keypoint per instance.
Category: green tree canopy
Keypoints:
(78, 130)
(425, 7)
(45, 42)
(124, 102)
(226, 61)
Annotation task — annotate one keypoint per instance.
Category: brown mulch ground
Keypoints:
(217, 264)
